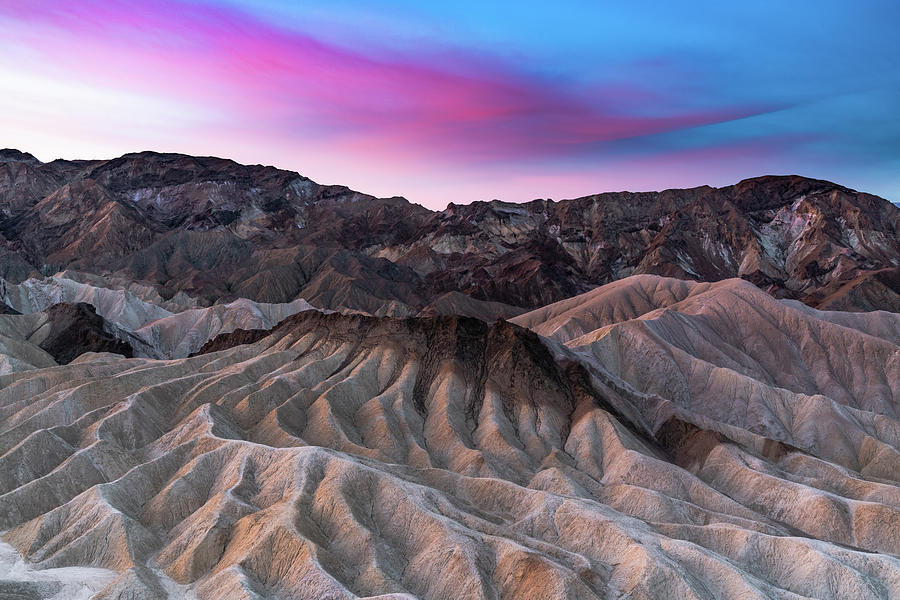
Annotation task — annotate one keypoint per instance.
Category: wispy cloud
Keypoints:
(463, 106)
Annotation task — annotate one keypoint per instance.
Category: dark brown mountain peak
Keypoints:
(13, 155)
(155, 169)
(758, 193)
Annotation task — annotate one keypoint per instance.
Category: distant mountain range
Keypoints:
(216, 231)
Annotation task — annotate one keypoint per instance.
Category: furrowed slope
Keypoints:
(350, 456)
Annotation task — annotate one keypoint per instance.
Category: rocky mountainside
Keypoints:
(217, 231)
(652, 438)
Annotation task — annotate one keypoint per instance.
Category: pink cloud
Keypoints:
(287, 84)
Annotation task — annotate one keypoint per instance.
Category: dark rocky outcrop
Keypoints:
(238, 337)
(76, 329)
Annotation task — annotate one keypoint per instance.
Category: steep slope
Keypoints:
(184, 333)
(149, 330)
(874, 290)
(73, 329)
(703, 441)
(455, 303)
(729, 358)
(17, 351)
(24, 181)
(59, 334)
(796, 237)
(19, 581)
(144, 216)
(218, 231)
(613, 303)
(119, 306)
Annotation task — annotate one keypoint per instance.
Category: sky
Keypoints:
(469, 100)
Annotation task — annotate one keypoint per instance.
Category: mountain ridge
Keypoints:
(217, 230)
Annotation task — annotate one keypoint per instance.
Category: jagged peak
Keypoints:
(12, 155)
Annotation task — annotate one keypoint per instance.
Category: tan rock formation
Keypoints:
(675, 440)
